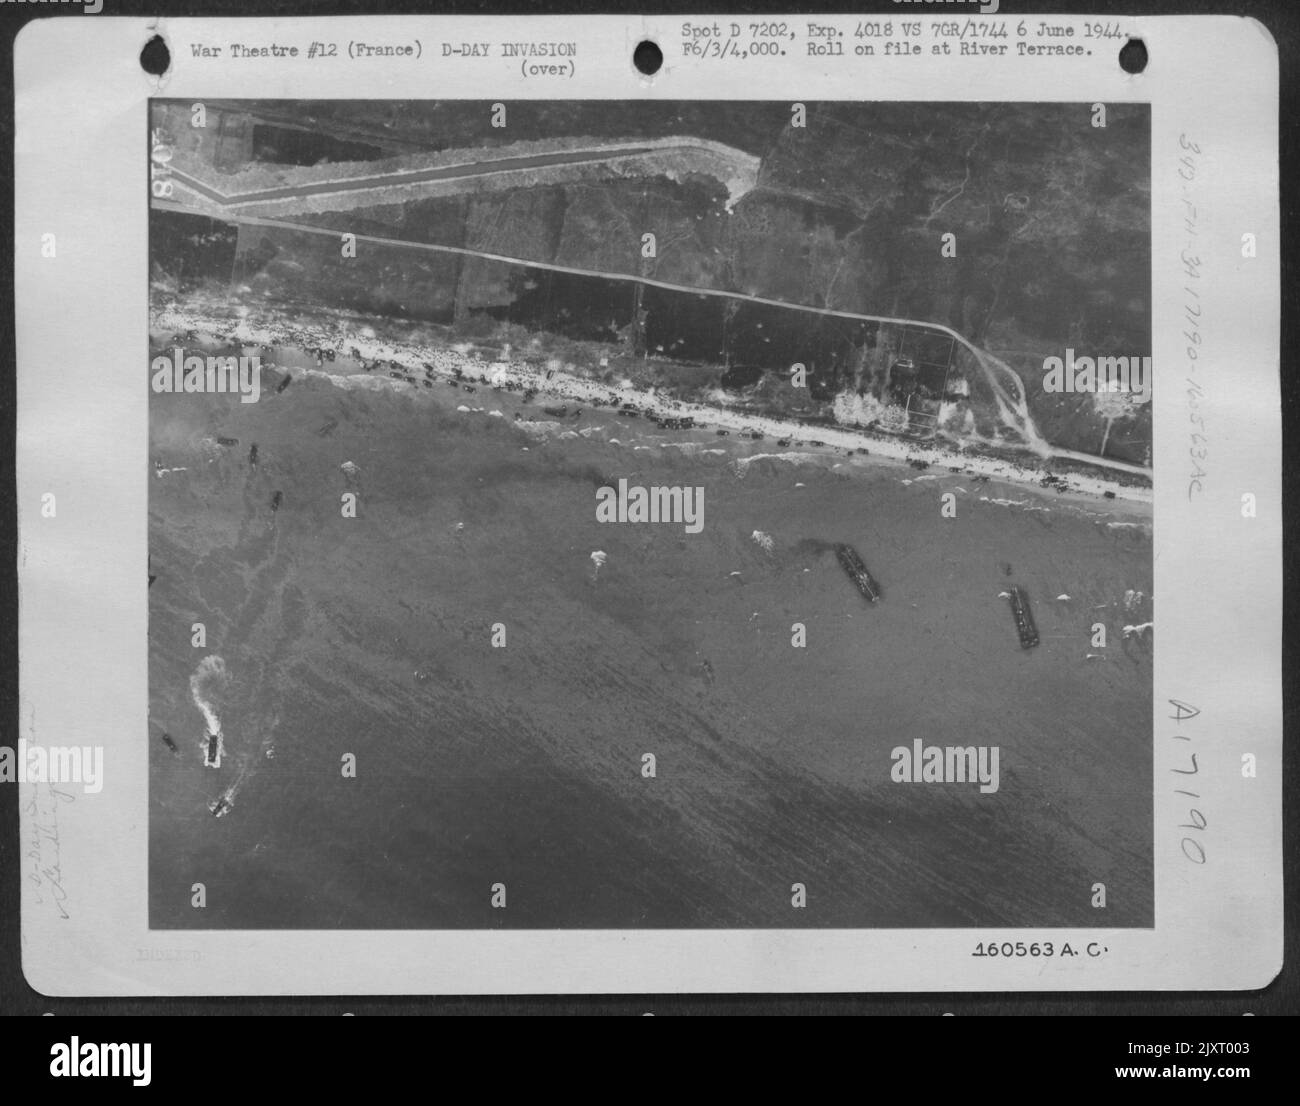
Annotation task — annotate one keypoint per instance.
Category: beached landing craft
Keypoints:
(1024, 618)
(857, 571)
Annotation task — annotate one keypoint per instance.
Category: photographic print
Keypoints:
(672, 505)
(616, 514)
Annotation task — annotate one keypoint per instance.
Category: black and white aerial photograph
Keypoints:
(649, 515)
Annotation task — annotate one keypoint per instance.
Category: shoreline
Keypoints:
(552, 383)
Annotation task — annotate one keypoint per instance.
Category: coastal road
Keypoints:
(1013, 408)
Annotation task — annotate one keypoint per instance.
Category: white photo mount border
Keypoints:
(82, 177)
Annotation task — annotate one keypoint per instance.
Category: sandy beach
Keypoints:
(554, 385)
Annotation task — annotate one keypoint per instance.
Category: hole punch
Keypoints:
(1133, 56)
(155, 58)
(648, 58)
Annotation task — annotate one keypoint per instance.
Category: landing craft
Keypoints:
(857, 571)
(1024, 618)
(213, 747)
